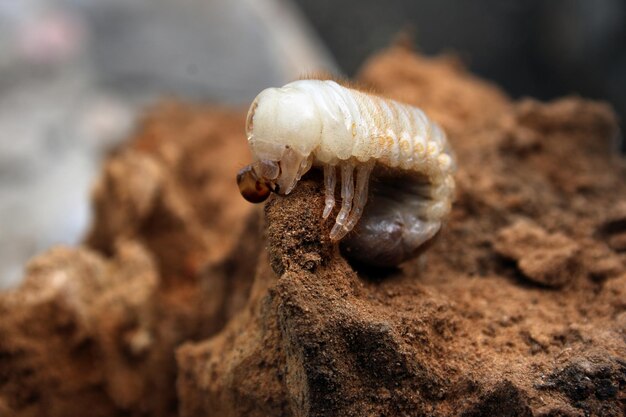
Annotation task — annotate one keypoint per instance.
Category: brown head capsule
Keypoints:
(256, 181)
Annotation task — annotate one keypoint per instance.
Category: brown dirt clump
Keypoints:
(92, 330)
(548, 259)
(518, 309)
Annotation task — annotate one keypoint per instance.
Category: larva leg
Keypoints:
(347, 193)
(330, 181)
(304, 167)
(360, 197)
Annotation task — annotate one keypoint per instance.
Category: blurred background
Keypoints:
(75, 74)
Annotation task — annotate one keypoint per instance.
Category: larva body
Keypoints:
(320, 123)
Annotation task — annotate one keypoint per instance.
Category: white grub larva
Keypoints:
(353, 135)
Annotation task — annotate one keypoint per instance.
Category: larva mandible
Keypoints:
(321, 123)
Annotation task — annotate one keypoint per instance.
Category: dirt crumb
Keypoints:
(544, 258)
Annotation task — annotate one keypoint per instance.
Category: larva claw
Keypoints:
(328, 208)
(347, 193)
(338, 232)
(343, 226)
(330, 180)
(360, 194)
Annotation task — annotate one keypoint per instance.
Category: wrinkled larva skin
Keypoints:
(320, 123)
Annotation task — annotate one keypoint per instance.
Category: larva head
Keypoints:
(254, 181)
(283, 127)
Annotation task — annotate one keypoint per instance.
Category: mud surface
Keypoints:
(187, 301)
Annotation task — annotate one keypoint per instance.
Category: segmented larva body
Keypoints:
(321, 123)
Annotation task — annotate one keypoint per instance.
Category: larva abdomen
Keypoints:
(346, 131)
(396, 136)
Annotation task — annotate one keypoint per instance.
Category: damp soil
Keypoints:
(186, 300)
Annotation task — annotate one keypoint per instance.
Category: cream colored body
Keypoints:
(322, 123)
